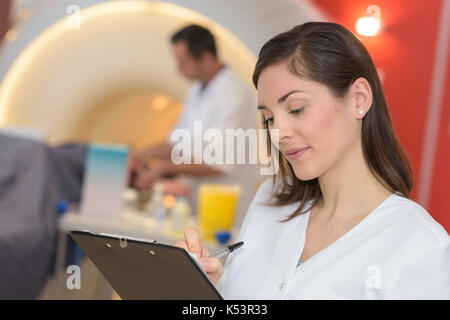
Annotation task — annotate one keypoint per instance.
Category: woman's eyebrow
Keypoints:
(282, 99)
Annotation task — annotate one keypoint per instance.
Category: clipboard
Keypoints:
(141, 269)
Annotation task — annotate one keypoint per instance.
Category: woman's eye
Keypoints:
(297, 111)
(266, 122)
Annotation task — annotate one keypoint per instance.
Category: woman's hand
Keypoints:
(194, 244)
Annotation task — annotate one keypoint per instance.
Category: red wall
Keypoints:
(440, 196)
(405, 50)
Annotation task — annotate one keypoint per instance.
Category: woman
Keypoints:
(336, 222)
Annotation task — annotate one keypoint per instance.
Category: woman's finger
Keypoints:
(211, 264)
(205, 252)
(193, 240)
(213, 267)
(181, 244)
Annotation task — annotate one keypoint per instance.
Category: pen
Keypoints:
(228, 249)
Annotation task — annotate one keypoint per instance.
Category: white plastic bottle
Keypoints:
(179, 217)
(155, 207)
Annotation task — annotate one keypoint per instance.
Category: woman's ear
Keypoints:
(362, 94)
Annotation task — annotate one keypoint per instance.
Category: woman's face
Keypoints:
(307, 116)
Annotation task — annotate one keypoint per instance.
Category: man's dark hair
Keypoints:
(198, 40)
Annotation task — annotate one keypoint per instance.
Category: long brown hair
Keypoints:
(330, 54)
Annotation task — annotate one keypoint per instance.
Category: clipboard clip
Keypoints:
(123, 243)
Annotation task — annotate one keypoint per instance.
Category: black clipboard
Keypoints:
(146, 270)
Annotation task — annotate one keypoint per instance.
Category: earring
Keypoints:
(361, 112)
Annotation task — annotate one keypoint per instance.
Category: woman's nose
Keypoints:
(283, 128)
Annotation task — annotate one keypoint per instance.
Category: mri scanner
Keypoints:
(103, 70)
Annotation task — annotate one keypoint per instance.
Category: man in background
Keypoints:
(219, 99)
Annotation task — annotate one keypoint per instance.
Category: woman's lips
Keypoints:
(294, 154)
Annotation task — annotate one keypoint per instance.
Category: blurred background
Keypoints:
(78, 71)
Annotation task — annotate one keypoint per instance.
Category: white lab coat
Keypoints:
(225, 103)
(397, 252)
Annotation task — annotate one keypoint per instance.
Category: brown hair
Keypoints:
(330, 54)
(198, 40)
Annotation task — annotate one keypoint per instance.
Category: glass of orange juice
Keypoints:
(217, 204)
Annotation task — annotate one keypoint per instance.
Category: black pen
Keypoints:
(229, 249)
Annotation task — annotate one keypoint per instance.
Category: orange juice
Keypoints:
(217, 204)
